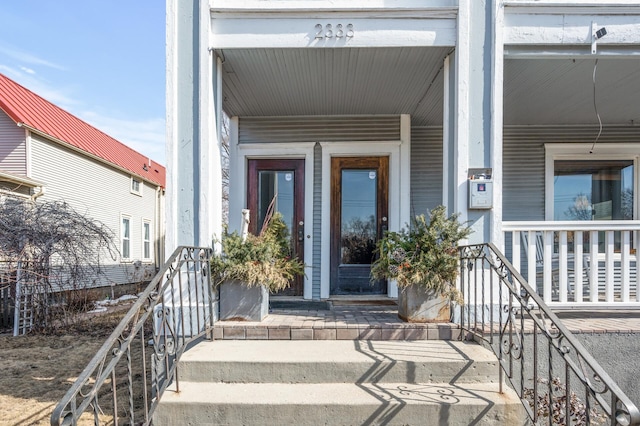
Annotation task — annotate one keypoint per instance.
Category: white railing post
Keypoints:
(531, 260)
(563, 270)
(609, 271)
(579, 267)
(624, 265)
(515, 250)
(547, 264)
(594, 266)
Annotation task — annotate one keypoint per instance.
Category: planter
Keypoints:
(238, 302)
(417, 304)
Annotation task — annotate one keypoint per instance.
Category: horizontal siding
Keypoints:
(524, 156)
(318, 129)
(426, 169)
(100, 192)
(317, 221)
(13, 146)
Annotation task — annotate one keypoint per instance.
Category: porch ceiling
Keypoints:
(369, 81)
(561, 91)
(272, 82)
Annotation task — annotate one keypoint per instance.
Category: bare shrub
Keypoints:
(51, 255)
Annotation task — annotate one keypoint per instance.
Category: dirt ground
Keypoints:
(37, 370)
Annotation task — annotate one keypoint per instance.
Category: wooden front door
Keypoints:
(359, 212)
(282, 180)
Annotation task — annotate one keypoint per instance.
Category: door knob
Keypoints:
(385, 226)
(301, 231)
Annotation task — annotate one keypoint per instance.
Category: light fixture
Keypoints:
(596, 34)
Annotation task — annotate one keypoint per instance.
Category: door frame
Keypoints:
(239, 154)
(381, 164)
(399, 153)
(296, 165)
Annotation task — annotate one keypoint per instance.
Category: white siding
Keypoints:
(102, 193)
(523, 161)
(13, 147)
(319, 129)
(426, 169)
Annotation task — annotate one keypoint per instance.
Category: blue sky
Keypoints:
(101, 60)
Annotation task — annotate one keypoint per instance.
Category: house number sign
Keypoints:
(329, 31)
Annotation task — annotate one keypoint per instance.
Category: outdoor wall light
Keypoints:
(596, 34)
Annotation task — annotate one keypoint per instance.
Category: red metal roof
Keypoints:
(28, 109)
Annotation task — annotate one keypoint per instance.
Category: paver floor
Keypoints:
(381, 322)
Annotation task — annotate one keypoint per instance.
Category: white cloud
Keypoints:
(29, 58)
(28, 70)
(147, 136)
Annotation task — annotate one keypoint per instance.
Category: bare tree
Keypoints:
(51, 256)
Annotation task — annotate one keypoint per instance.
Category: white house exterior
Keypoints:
(397, 106)
(49, 155)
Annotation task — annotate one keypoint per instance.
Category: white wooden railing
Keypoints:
(577, 264)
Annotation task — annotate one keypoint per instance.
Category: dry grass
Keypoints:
(37, 370)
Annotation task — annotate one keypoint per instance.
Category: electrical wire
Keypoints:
(595, 107)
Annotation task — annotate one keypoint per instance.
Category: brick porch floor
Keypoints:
(349, 322)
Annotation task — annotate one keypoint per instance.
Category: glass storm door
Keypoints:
(359, 204)
(281, 183)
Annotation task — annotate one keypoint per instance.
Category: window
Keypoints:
(146, 239)
(136, 186)
(125, 233)
(598, 186)
(593, 190)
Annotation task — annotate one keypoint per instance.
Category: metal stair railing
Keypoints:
(124, 381)
(556, 378)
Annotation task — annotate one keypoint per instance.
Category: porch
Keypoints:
(352, 320)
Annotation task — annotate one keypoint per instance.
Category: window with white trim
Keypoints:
(136, 186)
(146, 239)
(598, 186)
(125, 237)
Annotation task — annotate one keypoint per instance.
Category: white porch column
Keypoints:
(473, 138)
(194, 190)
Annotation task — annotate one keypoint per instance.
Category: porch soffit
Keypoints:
(557, 91)
(344, 81)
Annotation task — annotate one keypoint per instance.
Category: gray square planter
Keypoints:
(417, 304)
(239, 302)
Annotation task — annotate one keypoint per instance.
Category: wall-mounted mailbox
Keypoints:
(480, 189)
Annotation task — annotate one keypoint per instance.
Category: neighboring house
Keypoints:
(47, 154)
(359, 114)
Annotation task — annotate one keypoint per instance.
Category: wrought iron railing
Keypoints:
(558, 381)
(124, 381)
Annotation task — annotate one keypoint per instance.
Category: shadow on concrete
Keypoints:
(394, 398)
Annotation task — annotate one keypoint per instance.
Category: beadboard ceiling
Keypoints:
(272, 82)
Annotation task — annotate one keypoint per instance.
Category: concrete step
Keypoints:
(338, 383)
(336, 361)
(338, 404)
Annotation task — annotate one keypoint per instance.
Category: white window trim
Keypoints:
(122, 239)
(150, 257)
(580, 151)
(139, 192)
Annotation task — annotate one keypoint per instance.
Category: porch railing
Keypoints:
(558, 381)
(573, 264)
(126, 378)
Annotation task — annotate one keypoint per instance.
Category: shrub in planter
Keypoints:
(247, 270)
(424, 261)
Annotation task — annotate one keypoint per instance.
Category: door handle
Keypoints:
(301, 231)
(385, 226)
